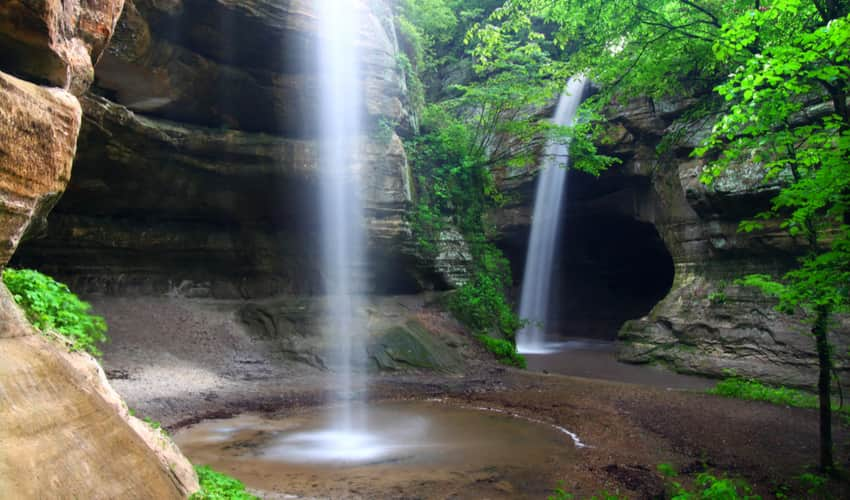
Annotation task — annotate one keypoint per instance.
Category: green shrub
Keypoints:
(743, 388)
(218, 486)
(706, 487)
(717, 297)
(504, 351)
(709, 487)
(50, 306)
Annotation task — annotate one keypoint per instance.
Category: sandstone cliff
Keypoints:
(65, 432)
(196, 166)
(648, 247)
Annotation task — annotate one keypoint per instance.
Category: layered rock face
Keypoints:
(699, 322)
(65, 433)
(197, 162)
(706, 324)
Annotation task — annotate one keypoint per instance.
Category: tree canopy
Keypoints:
(772, 75)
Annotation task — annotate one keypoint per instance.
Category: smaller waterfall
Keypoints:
(551, 185)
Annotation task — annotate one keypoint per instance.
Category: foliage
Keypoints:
(480, 304)
(786, 114)
(706, 486)
(560, 494)
(710, 487)
(743, 388)
(766, 125)
(504, 351)
(218, 486)
(717, 297)
(51, 306)
(155, 425)
(655, 48)
(454, 185)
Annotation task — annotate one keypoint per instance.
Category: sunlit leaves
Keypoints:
(784, 109)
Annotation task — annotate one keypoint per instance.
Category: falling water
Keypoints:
(551, 185)
(342, 237)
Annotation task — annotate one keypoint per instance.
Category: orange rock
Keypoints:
(38, 137)
(56, 42)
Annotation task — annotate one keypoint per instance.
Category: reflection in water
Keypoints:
(402, 442)
(597, 359)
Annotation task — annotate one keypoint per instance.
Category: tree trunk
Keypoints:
(824, 398)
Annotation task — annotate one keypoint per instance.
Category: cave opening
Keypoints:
(610, 269)
(610, 266)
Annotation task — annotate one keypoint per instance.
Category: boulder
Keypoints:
(38, 135)
(60, 420)
(396, 339)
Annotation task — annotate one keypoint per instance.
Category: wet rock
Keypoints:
(247, 65)
(412, 346)
(396, 339)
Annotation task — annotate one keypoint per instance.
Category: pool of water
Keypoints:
(400, 448)
(598, 359)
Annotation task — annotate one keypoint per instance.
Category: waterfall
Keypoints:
(342, 221)
(551, 185)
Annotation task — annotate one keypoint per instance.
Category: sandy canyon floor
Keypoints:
(182, 361)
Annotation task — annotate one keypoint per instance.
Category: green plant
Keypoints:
(814, 484)
(743, 388)
(717, 297)
(455, 186)
(51, 306)
(667, 470)
(710, 487)
(157, 426)
(504, 351)
(560, 494)
(218, 486)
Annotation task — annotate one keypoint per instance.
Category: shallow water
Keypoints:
(598, 359)
(404, 447)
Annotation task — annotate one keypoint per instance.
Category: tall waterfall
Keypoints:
(551, 185)
(342, 221)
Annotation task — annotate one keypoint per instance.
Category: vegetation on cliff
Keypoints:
(773, 76)
(51, 307)
(450, 158)
(472, 121)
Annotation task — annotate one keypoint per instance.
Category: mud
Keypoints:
(629, 428)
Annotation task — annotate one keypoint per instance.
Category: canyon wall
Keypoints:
(196, 176)
(196, 168)
(65, 432)
(647, 238)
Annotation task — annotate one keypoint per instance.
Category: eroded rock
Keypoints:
(38, 135)
(56, 42)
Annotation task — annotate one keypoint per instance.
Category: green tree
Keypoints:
(781, 69)
(787, 113)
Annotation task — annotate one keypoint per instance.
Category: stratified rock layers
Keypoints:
(705, 324)
(197, 164)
